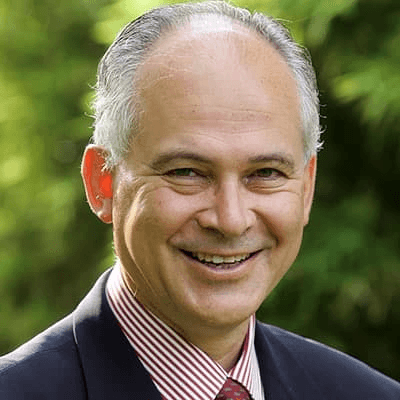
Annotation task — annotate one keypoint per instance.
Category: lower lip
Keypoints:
(231, 270)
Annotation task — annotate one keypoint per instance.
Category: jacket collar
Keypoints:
(282, 376)
(98, 338)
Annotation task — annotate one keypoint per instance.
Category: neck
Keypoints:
(224, 348)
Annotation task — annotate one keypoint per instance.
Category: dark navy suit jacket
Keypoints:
(86, 357)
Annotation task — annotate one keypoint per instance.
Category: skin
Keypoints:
(217, 167)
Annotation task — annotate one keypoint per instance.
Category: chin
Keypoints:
(229, 312)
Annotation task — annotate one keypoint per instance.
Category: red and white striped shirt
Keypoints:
(179, 369)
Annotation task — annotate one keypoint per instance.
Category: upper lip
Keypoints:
(222, 253)
(220, 259)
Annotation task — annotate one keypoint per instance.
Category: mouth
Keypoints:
(220, 262)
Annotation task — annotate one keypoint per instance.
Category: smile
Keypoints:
(218, 261)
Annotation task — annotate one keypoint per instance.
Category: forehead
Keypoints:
(205, 82)
(211, 50)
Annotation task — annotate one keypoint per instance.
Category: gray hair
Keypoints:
(115, 105)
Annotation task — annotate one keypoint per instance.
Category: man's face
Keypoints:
(211, 203)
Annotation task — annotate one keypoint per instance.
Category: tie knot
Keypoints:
(233, 390)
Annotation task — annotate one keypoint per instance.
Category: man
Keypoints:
(204, 161)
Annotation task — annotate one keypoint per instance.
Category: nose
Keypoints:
(229, 210)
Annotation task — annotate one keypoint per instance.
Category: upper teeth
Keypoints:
(216, 259)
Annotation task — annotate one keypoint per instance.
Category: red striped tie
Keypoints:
(233, 391)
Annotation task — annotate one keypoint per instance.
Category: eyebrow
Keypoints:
(280, 158)
(164, 158)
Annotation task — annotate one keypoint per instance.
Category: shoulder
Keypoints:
(333, 372)
(43, 366)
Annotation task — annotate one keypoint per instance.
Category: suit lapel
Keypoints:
(110, 366)
(281, 375)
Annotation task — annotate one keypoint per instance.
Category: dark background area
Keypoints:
(344, 289)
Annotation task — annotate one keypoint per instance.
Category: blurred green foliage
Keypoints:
(343, 290)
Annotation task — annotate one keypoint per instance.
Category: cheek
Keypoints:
(132, 210)
(172, 210)
(158, 213)
(284, 215)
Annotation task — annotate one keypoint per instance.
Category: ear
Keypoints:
(98, 182)
(309, 186)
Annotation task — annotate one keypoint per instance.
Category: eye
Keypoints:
(265, 179)
(186, 181)
(182, 173)
(267, 173)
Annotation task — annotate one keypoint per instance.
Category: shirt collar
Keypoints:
(179, 369)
